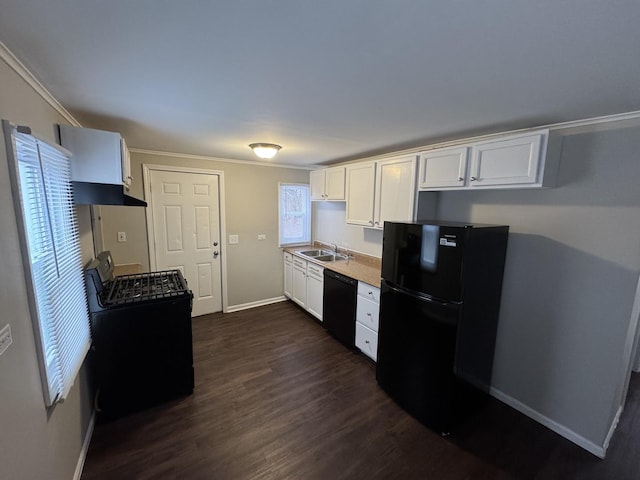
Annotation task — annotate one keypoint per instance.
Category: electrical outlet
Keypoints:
(5, 338)
(262, 236)
(233, 239)
(122, 237)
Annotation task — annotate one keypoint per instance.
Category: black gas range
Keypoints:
(142, 352)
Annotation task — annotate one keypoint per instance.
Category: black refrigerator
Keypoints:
(439, 306)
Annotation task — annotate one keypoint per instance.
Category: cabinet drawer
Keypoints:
(369, 291)
(288, 257)
(299, 263)
(315, 270)
(367, 313)
(367, 341)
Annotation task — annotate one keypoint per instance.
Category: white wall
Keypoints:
(35, 443)
(328, 226)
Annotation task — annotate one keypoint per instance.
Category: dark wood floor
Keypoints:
(277, 398)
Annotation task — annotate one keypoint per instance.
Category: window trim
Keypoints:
(306, 215)
(61, 345)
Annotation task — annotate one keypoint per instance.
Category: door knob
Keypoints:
(215, 254)
(215, 244)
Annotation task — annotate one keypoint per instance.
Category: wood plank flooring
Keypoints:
(277, 398)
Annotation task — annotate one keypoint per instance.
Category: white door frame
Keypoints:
(146, 177)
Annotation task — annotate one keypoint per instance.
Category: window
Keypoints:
(40, 173)
(294, 214)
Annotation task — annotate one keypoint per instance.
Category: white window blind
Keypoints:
(294, 214)
(53, 263)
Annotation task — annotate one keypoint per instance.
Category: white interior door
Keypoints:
(186, 232)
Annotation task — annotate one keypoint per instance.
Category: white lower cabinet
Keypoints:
(288, 274)
(304, 284)
(299, 282)
(367, 319)
(367, 341)
(315, 289)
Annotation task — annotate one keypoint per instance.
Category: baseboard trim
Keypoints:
(259, 303)
(597, 450)
(85, 448)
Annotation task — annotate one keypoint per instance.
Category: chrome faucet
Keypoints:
(335, 248)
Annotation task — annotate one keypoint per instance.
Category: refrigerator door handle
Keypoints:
(421, 296)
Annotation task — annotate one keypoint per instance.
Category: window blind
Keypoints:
(53, 262)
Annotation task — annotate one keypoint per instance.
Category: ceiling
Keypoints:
(329, 81)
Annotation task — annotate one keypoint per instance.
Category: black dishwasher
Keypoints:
(339, 306)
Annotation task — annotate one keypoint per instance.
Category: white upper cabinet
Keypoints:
(382, 190)
(98, 156)
(361, 179)
(511, 161)
(514, 160)
(395, 190)
(327, 184)
(443, 168)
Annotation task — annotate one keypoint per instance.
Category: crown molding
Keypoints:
(219, 159)
(10, 59)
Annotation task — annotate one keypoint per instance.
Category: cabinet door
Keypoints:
(511, 161)
(126, 165)
(316, 184)
(97, 154)
(395, 190)
(441, 168)
(299, 284)
(315, 287)
(334, 183)
(360, 180)
(288, 275)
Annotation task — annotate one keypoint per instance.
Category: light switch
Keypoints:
(262, 236)
(122, 237)
(233, 239)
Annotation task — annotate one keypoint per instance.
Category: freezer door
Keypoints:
(424, 258)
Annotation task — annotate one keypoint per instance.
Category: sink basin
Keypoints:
(330, 257)
(315, 253)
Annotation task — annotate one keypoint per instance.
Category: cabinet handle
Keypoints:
(376, 223)
(461, 179)
(368, 314)
(473, 179)
(366, 341)
(370, 222)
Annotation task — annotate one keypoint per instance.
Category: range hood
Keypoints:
(86, 193)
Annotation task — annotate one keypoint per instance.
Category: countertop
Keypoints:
(359, 266)
(127, 269)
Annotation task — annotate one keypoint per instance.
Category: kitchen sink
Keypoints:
(322, 255)
(330, 257)
(315, 253)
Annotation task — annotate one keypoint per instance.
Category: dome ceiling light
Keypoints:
(265, 150)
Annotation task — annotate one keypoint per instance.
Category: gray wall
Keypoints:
(34, 443)
(254, 268)
(572, 268)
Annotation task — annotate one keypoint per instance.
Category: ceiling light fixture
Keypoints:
(265, 150)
